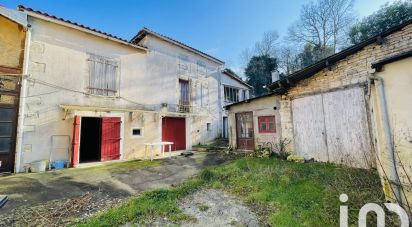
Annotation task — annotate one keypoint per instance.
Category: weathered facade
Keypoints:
(394, 117)
(12, 46)
(262, 129)
(334, 110)
(91, 96)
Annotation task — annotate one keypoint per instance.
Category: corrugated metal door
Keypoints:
(110, 144)
(309, 128)
(174, 130)
(244, 131)
(76, 140)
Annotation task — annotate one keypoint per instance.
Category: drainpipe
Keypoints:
(389, 148)
(219, 92)
(22, 101)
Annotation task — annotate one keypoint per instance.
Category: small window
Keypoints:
(267, 124)
(208, 127)
(137, 132)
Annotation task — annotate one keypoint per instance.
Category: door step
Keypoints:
(186, 153)
(3, 200)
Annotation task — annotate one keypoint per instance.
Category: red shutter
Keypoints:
(110, 147)
(76, 140)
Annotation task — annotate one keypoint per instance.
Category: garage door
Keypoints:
(333, 127)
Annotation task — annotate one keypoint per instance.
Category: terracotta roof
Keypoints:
(236, 77)
(281, 86)
(145, 31)
(115, 38)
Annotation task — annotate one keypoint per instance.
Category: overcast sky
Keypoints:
(222, 28)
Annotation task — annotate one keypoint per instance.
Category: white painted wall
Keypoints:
(58, 56)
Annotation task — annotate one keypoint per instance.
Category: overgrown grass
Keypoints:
(282, 193)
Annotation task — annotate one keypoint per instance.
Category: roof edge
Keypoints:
(281, 85)
(227, 107)
(235, 77)
(74, 25)
(146, 31)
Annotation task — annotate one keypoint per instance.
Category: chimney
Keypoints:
(275, 76)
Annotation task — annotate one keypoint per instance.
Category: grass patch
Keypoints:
(282, 193)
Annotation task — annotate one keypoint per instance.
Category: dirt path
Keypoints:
(212, 207)
(53, 197)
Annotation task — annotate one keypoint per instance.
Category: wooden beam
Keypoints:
(8, 69)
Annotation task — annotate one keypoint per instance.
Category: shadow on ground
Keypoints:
(108, 181)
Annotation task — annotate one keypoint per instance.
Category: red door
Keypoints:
(76, 140)
(110, 145)
(174, 130)
(244, 131)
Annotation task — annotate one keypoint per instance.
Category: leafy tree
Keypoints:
(312, 54)
(259, 73)
(389, 15)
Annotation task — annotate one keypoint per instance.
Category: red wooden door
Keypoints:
(174, 130)
(76, 140)
(110, 144)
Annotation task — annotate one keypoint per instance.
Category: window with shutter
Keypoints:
(103, 76)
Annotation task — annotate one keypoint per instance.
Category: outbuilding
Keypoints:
(254, 122)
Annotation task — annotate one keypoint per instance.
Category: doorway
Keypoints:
(174, 130)
(90, 139)
(244, 131)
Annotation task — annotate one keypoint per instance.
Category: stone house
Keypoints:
(89, 96)
(353, 108)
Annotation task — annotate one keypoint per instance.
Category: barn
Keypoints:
(351, 108)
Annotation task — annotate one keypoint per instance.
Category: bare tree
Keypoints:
(288, 59)
(267, 45)
(322, 23)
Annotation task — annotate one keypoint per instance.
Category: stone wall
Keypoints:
(352, 70)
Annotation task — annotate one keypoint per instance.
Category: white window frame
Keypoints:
(232, 91)
(136, 136)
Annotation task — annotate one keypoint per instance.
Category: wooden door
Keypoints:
(347, 128)
(9, 101)
(76, 141)
(244, 131)
(333, 127)
(174, 130)
(110, 144)
(309, 128)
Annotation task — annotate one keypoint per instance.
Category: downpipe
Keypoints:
(22, 102)
(389, 148)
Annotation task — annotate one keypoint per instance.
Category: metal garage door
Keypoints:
(333, 127)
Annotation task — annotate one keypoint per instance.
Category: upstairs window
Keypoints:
(267, 124)
(103, 76)
(231, 94)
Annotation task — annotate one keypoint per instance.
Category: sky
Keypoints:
(221, 28)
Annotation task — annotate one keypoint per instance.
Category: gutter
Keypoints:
(389, 146)
(22, 101)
